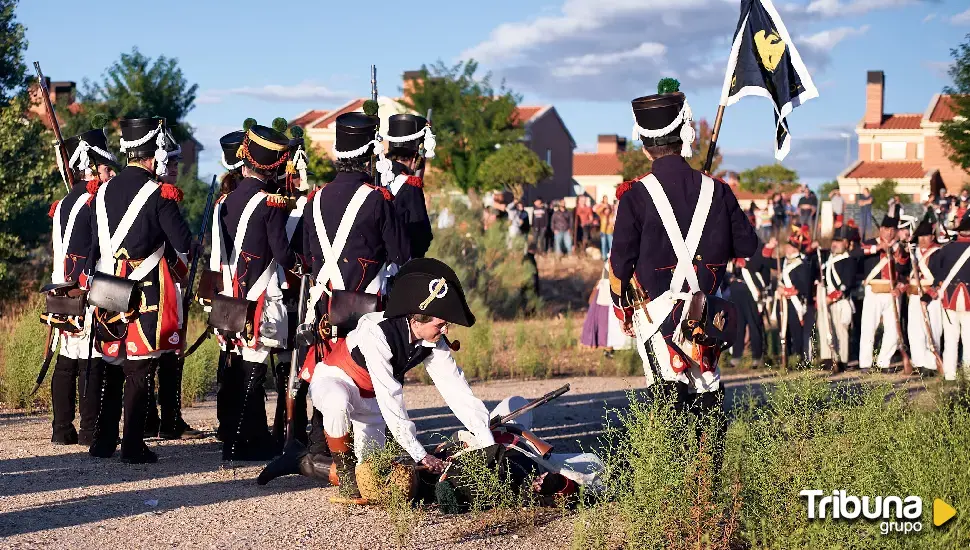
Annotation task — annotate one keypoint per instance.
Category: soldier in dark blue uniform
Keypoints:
(796, 283)
(749, 285)
(835, 307)
(134, 221)
(951, 273)
(404, 135)
(650, 251)
(253, 233)
(350, 234)
(89, 159)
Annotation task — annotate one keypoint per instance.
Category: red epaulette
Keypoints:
(92, 186)
(767, 252)
(623, 188)
(387, 194)
(276, 201)
(415, 181)
(313, 192)
(171, 192)
(50, 213)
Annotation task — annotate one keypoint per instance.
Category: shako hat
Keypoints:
(427, 286)
(356, 133)
(889, 221)
(404, 131)
(88, 149)
(172, 148)
(263, 148)
(800, 237)
(664, 118)
(146, 137)
(924, 229)
(230, 144)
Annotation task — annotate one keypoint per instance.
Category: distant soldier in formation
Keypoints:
(77, 369)
(921, 344)
(949, 266)
(410, 142)
(799, 272)
(749, 285)
(835, 307)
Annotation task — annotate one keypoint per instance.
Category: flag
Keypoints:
(764, 62)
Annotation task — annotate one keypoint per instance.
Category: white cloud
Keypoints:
(593, 64)
(940, 69)
(840, 8)
(962, 18)
(828, 39)
(277, 93)
(929, 18)
(819, 157)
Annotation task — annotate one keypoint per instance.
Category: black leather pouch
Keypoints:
(347, 307)
(230, 314)
(111, 293)
(210, 284)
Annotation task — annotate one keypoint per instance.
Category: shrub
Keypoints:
(199, 373)
(21, 355)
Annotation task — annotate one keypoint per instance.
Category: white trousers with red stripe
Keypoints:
(338, 399)
(956, 327)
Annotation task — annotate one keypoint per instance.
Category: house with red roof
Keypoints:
(905, 147)
(599, 173)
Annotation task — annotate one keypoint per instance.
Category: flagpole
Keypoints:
(717, 129)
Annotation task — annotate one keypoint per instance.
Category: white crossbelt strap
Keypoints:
(832, 279)
(110, 244)
(923, 258)
(396, 183)
(876, 270)
(218, 246)
(241, 230)
(292, 221)
(683, 249)
(955, 269)
(749, 282)
(330, 272)
(63, 241)
(796, 302)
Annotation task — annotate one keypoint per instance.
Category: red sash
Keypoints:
(340, 357)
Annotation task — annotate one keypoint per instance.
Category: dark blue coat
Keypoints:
(413, 213)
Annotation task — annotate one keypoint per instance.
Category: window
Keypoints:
(893, 150)
(919, 150)
(549, 157)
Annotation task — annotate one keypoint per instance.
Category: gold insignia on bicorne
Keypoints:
(438, 288)
(719, 320)
(770, 48)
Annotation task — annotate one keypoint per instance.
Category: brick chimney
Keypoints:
(410, 78)
(875, 97)
(610, 144)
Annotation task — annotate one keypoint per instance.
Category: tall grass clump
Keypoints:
(804, 433)
(21, 355)
(199, 372)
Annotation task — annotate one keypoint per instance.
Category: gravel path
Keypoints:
(58, 497)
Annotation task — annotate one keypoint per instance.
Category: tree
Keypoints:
(136, 86)
(827, 188)
(194, 195)
(956, 133)
(514, 167)
(12, 46)
(766, 178)
(470, 118)
(318, 164)
(885, 190)
(636, 164)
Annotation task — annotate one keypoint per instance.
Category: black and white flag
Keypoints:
(764, 62)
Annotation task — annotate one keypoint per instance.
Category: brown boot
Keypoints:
(348, 492)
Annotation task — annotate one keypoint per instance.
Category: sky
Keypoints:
(588, 58)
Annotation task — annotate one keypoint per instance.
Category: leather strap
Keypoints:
(796, 302)
(955, 269)
(330, 272)
(109, 243)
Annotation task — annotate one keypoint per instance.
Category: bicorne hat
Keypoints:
(664, 118)
(404, 132)
(889, 221)
(264, 148)
(841, 233)
(426, 286)
(924, 229)
(230, 144)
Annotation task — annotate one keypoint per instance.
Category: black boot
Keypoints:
(106, 428)
(152, 421)
(228, 396)
(63, 400)
(299, 412)
(172, 425)
(90, 383)
(252, 440)
(317, 444)
(138, 375)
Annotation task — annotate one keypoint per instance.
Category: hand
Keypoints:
(627, 327)
(433, 464)
(790, 291)
(773, 242)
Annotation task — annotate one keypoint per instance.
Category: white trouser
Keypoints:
(919, 349)
(877, 308)
(336, 396)
(956, 327)
(77, 346)
(841, 321)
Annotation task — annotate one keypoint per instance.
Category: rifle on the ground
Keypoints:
(926, 314)
(52, 118)
(538, 402)
(293, 450)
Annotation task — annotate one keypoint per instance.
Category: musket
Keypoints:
(499, 420)
(288, 463)
(424, 166)
(926, 314)
(781, 307)
(49, 348)
(61, 149)
(200, 242)
(373, 96)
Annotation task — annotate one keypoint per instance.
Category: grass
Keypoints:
(868, 439)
